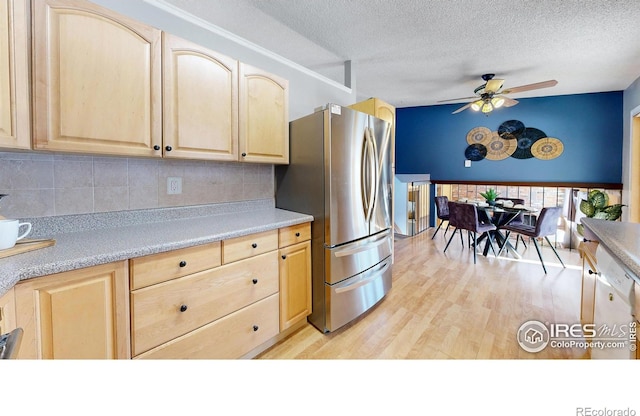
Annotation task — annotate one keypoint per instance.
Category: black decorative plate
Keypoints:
(528, 137)
(511, 129)
(475, 152)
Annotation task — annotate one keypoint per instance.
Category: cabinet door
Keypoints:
(200, 102)
(7, 312)
(79, 314)
(15, 129)
(295, 284)
(97, 80)
(264, 117)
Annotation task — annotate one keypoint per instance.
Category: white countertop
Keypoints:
(114, 242)
(621, 239)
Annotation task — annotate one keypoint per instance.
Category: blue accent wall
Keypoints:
(432, 140)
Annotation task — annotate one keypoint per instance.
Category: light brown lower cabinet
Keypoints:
(234, 310)
(229, 337)
(295, 284)
(7, 312)
(589, 270)
(78, 314)
(229, 299)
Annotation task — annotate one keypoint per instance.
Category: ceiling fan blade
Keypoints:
(457, 99)
(493, 85)
(529, 87)
(509, 102)
(462, 108)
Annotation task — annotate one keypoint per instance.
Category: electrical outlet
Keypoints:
(174, 185)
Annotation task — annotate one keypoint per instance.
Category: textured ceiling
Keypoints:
(418, 52)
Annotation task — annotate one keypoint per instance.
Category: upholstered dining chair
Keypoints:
(466, 218)
(442, 211)
(453, 221)
(546, 225)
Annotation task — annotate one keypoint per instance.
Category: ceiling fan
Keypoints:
(489, 95)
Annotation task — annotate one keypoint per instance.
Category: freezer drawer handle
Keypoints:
(366, 247)
(364, 281)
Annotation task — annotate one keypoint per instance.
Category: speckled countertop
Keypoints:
(92, 239)
(621, 239)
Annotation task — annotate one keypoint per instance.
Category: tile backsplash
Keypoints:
(44, 184)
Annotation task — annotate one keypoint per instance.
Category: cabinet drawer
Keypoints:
(167, 310)
(157, 268)
(229, 337)
(248, 246)
(294, 234)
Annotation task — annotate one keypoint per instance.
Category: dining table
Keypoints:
(500, 215)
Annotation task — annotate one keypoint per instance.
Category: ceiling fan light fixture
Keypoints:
(476, 105)
(497, 102)
(487, 107)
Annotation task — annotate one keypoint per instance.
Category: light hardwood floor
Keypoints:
(443, 306)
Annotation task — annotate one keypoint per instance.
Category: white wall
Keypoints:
(630, 107)
(308, 90)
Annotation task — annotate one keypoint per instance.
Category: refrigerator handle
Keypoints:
(365, 281)
(376, 169)
(373, 244)
(364, 177)
(371, 176)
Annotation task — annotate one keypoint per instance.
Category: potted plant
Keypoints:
(490, 196)
(597, 206)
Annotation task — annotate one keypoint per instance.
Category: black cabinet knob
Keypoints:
(297, 234)
(183, 308)
(254, 245)
(244, 155)
(255, 328)
(592, 272)
(284, 257)
(183, 263)
(588, 241)
(255, 281)
(168, 148)
(156, 147)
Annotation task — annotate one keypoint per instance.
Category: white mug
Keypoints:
(9, 232)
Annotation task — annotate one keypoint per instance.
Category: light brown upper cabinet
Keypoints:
(97, 80)
(14, 75)
(200, 110)
(264, 113)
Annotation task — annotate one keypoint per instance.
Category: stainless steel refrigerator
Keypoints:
(340, 172)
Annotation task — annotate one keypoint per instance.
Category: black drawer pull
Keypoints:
(255, 281)
(255, 328)
(284, 257)
(183, 308)
(254, 245)
(297, 234)
(592, 272)
(183, 263)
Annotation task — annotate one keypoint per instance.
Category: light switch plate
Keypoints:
(467, 163)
